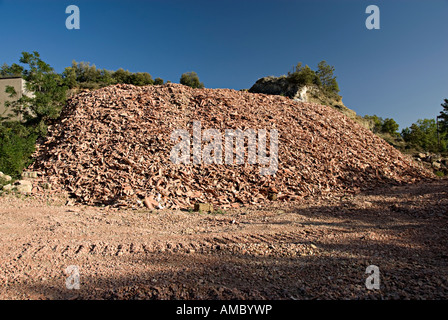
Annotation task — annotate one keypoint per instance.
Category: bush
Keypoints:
(158, 81)
(323, 78)
(141, 79)
(17, 144)
(191, 79)
(85, 76)
(385, 126)
(304, 76)
(390, 126)
(375, 123)
(440, 174)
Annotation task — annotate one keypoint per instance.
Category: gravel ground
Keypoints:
(312, 249)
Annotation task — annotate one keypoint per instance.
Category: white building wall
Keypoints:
(18, 84)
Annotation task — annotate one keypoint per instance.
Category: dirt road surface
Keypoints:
(313, 249)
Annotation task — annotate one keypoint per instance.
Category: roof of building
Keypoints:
(17, 77)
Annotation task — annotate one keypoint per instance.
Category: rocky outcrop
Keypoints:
(282, 86)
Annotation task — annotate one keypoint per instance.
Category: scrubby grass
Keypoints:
(439, 174)
(219, 211)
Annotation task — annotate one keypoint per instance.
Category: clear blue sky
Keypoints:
(399, 71)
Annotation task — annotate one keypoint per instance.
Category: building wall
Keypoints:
(18, 84)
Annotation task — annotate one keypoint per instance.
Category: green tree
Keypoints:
(106, 78)
(14, 70)
(17, 143)
(87, 73)
(87, 76)
(376, 123)
(390, 126)
(327, 78)
(48, 93)
(191, 79)
(141, 79)
(158, 81)
(422, 135)
(304, 76)
(38, 108)
(69, 76)
(122, 76)
(380, 125)
(443, 122)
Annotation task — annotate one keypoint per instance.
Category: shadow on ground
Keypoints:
(402, 230)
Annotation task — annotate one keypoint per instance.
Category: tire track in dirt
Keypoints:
(211, 244)
(178, 256)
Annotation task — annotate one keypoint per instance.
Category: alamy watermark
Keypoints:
(72, 281)
(73, 20)
(373, 280)
(373, 20)
(212, 153)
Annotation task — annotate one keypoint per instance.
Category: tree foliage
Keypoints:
(38, 109)
(121, 76)
(141, 79)
(17, 143)
(380, 125)
(13, 70)
(84, 75)
(327, 78)
(443, 117)
(390, 126)
(425, 135)
(422, 135)
(191, 79)
(303, 76)
(48, 93)
(158, 81)
(376, 123)
(323, 78)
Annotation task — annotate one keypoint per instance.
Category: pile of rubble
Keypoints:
(112, 146)
(433, 161)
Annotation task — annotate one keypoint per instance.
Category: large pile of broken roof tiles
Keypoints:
(112, 146)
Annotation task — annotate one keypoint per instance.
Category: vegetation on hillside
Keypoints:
(17, 139)
(17, 143)
(421, 136)
(424, 136)
(323, 78)
(191, 79)
(50, 90)
(85, 76)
